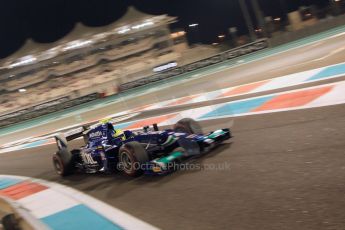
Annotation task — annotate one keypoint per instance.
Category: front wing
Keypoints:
(194, 147)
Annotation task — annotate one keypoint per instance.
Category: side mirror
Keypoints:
(155, 127)
(146, 129)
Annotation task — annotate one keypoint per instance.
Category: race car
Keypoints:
(149, 151)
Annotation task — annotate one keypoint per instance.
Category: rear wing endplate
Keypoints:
(62, 139)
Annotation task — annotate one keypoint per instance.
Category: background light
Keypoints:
(193, 25)
(24, 61)
(77, 44)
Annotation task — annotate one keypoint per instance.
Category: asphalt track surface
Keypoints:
(283, 170)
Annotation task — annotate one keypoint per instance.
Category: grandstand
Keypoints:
(86, 61)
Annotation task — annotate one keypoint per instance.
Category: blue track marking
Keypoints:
(329, 72)
(7, 182)
(123, 125)
(237, 107)
(34, 144)
(79, 217)
(74, 111)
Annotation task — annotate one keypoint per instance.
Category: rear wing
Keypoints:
(62, 139)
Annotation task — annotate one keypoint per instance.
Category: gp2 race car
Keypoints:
(134, 153)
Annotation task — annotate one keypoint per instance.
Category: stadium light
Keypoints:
(145, 24)
(247, 19)
(335, 6)
(178, 34)
(193, 25)
(99, 37)
(124, 30)
(259, 16)
(24, 61)
(165, 67)
(181, 33)
(49, 53)
(76, 45)
(174, 35)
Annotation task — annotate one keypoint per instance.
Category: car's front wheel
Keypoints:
(132, 158)
(188, 125)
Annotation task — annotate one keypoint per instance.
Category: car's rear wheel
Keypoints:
(132, 157)
(188, 125)
(63, 163)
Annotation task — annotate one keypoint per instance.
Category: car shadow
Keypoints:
(116, 184)
(156, 181)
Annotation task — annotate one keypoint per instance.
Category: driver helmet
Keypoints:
(118, 133)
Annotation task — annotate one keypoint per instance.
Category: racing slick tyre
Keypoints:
(188, 125)
(132, 156)
(63, 162)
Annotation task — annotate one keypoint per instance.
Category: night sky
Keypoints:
(49, 20)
